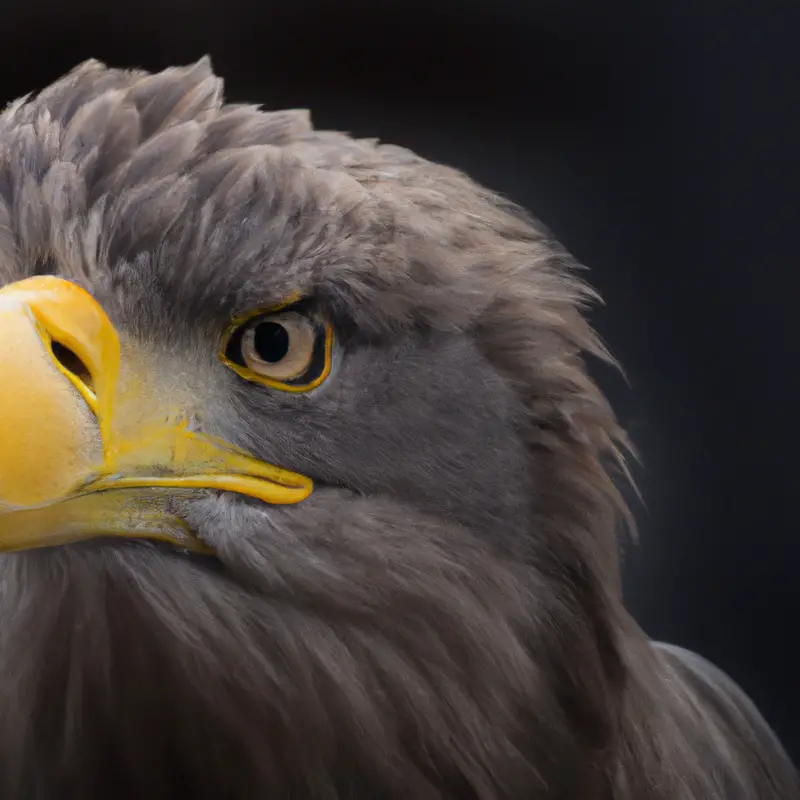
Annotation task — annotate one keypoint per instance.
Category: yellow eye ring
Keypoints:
(287, 349)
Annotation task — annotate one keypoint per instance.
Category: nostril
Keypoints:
(72, 363)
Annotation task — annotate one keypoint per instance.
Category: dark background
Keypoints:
(659, 140)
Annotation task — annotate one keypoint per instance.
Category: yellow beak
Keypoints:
(76, 458)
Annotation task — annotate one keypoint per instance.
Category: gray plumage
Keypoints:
(442, 618)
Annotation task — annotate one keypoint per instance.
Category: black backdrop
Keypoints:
(660, 142)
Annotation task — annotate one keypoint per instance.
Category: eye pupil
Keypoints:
(271, 342)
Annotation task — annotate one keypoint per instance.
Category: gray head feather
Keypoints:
(442, 617)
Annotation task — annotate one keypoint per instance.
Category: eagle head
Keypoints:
(304, 487)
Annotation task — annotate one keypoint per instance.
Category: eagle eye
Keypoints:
(288, 350)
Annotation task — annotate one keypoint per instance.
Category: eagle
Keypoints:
(306, 492)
